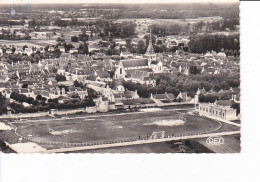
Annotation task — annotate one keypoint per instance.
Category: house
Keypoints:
(79, 74)
(139, 76)
(62, 49)
(51, 48)
(118, 86)
(102, 75)
(183, 97)
(156, 66)
(77, 91)
(28, 51)
(131, 94)
(165, 98)
(126, 55)
(9, 51)
(201, 91)
(56, 92)
(211, 91)
(102, 104)
(73, 50)
(149, 81)
(64, 99)
(138, 103)
(4, 78)
(3, 86)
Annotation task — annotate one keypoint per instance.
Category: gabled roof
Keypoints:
(4, 85)
(103, 74)
(64, 55)
(138, 74)
(116, 84)
(3, 77)
(134, 62)
(165, 96)
(63, 98)
(130, 94)
(81, 56)
(45, 94)
(225, 102)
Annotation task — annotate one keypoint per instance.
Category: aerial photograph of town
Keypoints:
(120, 78)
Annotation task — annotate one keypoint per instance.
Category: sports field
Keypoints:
(114, 126)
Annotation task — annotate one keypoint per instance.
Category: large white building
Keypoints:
(219, 110)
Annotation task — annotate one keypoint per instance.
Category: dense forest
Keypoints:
(204, 43)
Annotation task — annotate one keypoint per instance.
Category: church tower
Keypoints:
(150, 54)
(150, 49)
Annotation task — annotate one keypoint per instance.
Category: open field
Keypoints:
(150, 21)
(117, 126)
(30, 43)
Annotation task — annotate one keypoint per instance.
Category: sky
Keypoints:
(106, 1)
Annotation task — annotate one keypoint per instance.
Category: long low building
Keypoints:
(219, 109)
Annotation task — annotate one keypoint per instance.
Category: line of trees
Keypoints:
(22, 98)
(211, 98)
(3, 106)
(39, 104)
(188, 28)
(145, 91)
(124, 29)
(19, 108)
(8, 35)
(185, 83)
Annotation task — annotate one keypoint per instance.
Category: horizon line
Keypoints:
(122, 2)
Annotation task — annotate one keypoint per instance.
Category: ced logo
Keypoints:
(215, 141)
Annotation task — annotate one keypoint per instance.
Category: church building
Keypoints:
(129, 68)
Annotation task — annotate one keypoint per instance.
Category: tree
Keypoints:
(59, 39)
(25, 46)
(141, 47)
(13, 49)
(25, 85)
(44, 99)
(237, 107)
(74, 39)
(186, 49)
(35, 102)
(83, 48)
(83, 37)
(159, 42)
(29, 100)
(204, 43)
(60, 78)
(174, 48)
(194, 70)
(39, 97)
(78, 84)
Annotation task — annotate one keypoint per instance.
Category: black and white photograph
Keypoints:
(120, 77)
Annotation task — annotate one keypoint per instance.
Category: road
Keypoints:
(138, 142)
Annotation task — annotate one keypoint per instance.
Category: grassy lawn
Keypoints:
(110, 127)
